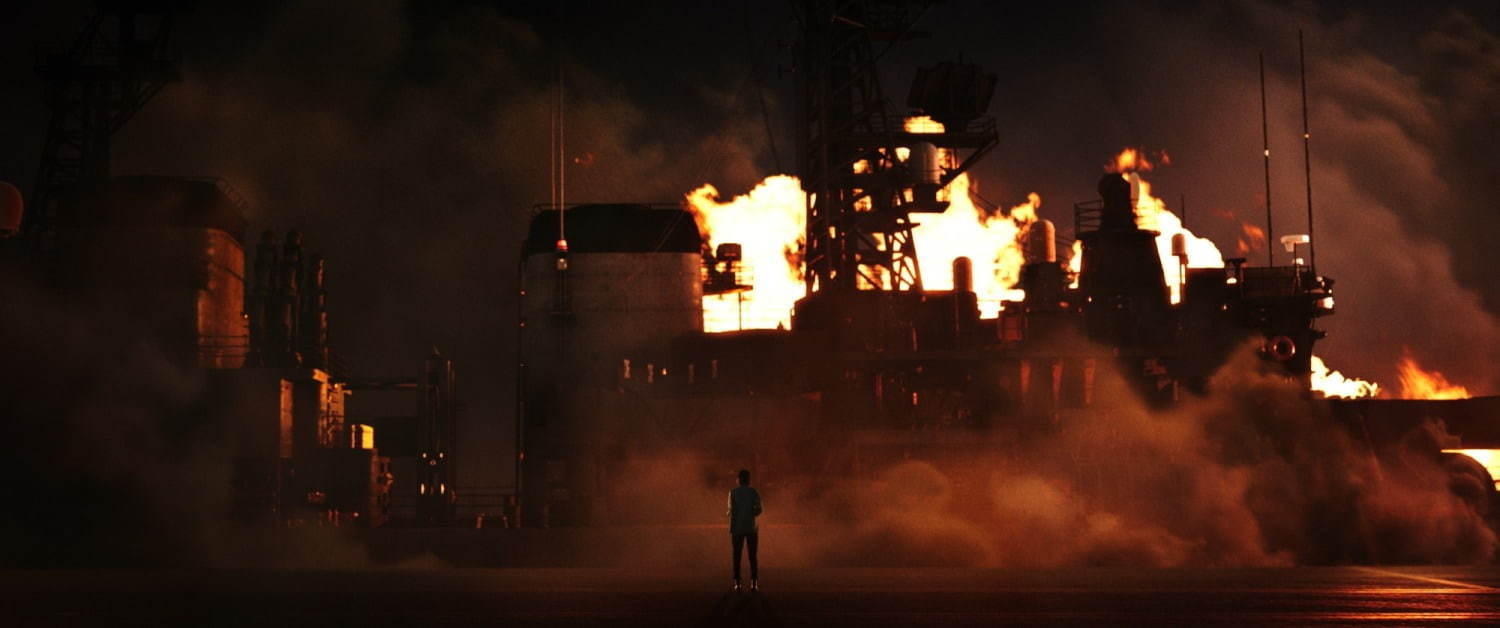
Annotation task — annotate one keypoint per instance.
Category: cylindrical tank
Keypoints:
(963, 275)
(926, 166)
(1179, 247)
(164, 255)
(1042, 243)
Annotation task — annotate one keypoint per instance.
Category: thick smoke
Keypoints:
(1253, 474)
(114, 454)
(408, 143)
(1403, 132)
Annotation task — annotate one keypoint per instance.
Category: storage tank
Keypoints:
(624, 285)
(164, 256)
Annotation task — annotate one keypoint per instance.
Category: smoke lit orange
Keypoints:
(1418, 383)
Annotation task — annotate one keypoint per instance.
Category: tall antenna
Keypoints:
(552, 155)
(1312, 243)
(562, 162)
(1265, 139)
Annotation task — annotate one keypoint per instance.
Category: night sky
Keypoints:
(408, 142)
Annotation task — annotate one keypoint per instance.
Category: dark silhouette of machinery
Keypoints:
(875, 368)
(159, 262)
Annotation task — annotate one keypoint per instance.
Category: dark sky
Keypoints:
(407, 142)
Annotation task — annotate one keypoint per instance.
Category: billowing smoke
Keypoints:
(113, 450)
(407, 142)
(1403, 130)
(1253, 474)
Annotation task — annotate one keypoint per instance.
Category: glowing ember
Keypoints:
(768, 222)
(1335, 384)
(1417, 383)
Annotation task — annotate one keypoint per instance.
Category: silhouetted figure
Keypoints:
(744, 507)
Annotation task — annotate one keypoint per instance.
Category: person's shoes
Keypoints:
(754, 585)
(736, 585)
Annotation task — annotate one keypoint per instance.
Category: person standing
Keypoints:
(744, 507)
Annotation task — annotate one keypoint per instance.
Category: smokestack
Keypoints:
(289, 280)
(312, 331)
(963, 275)
(259, 306)
(1118, 213)
(1041, 245)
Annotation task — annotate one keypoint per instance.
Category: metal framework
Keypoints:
(94, 87)
(860, 196)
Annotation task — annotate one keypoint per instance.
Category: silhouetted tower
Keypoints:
(94, 87)
(439, 434)
(1125, 297)
(865, 174)
(312, 330)
(260, 303)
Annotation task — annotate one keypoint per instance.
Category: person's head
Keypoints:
(744, 477)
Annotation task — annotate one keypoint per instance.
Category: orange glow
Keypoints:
(1418, 383)
(1335, 384)
(1251, 238)
(991, 241)
(1130, 160)
(1151, 214)
(923, 124)
(769, 224)
(1487, 458)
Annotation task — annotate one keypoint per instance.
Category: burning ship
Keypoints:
(800, 330)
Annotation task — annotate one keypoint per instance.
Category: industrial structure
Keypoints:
(615, 367)
(161, 262)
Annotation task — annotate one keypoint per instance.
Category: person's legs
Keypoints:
(754, 541)
(739, 542)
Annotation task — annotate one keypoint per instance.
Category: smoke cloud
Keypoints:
(408, 143)
(1253, 474)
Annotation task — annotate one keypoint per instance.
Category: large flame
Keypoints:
(1418, 383)
(1151, 214)
(769, 224)
(991, 241)
(1335, 384)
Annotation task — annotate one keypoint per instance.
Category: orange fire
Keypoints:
(991, 241)
(1136, 160)
(1335, 384)
(1151, 214)
(769, 224)
(1418, 383)
(1251, 238)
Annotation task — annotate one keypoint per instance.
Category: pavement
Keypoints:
(789, 597)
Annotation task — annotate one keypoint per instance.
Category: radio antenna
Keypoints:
(1265, 139)
(1312, 243)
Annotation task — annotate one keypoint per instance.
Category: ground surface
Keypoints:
(798, 597)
